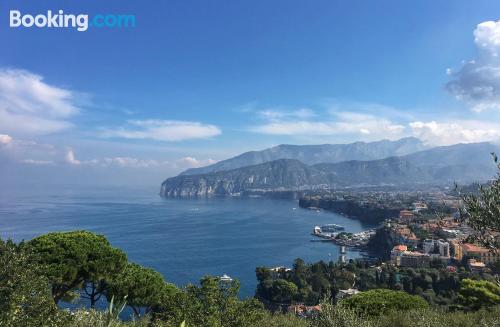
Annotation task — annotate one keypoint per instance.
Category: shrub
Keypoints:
(381, 301)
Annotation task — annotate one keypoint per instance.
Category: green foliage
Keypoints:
(340, 316)
(331, 316)
(284, 320)
(262, 273)
(482, 212)
(75, 260)
(420, 233)
(477, 294)
(96, 318)
(27, 275)
(314, 282)
(114, 311)
(142, 287)
(283, 291)
(436, 318)
(214, 303)
(380, 301)
(25, 298)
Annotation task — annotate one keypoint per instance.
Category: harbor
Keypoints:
(337, 234)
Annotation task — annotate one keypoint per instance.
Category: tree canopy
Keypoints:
(77, 260)
(25, 298)
(381, 301)
(482, 211)
(477, 294)
(142, 287)
(215, 303)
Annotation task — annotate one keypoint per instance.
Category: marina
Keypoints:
(336, 234)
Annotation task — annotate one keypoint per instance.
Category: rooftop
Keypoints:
(400, 248)
(473, 248)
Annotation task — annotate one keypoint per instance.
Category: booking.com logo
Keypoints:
(61, 20)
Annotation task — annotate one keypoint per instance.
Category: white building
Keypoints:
(444, 248)
(436, 246)
(428, 246)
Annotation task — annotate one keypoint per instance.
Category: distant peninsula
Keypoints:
(463, 163)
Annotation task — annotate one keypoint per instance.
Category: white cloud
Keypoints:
(387, 123)
(339, 123)
(273, 114)
(33, 153)
(70, 158)
(28, 105)
(478, 81)
(129, 162)
(190, 162)
(24, 151)
(453, 132)
(164, 130)
(37, 162)
(487, 37)
(5, 139)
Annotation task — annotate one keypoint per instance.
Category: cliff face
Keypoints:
(278, 175)
(463, 163)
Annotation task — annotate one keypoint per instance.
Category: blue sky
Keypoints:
(198, 81)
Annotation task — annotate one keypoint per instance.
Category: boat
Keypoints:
(225, 278)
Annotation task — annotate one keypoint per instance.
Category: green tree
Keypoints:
(482, 211)
(381, 301)
(214, 303)
(262, 273)
(77, 260)
(144, 288)
(283, 291)
(476, 294)
(25, 298)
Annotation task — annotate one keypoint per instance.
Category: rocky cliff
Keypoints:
(463, 163)
(278, 175)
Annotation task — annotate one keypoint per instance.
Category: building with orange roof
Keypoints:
(403, 235)
(400, 248)
(406, 214)
(400, 256)
(481, 254)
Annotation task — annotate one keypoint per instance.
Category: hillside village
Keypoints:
(421, 239)
(423, 245)
(419, 227)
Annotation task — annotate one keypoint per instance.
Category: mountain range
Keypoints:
(320, 169)
(313, 154)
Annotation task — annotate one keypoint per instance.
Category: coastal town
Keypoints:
(418, 228)
(420, 239)
(417, 234)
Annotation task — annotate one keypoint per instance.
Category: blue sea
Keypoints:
(184, 239)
